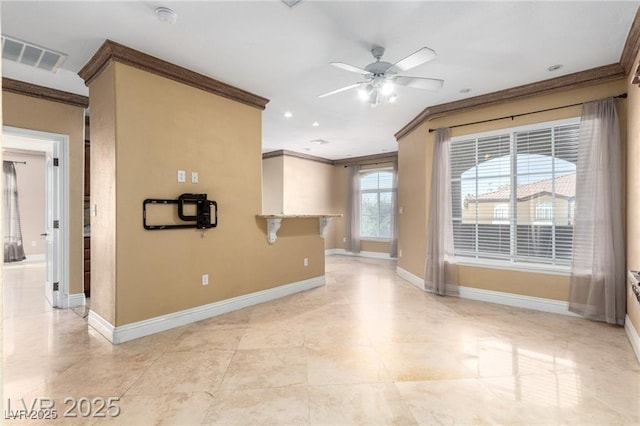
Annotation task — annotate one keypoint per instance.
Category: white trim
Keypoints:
(36, 258)
(369, 254)
(101, 325)
(177, 319)
(74, 300)
(633, 335)
(506, 265)
(498, 297)
(413, 279)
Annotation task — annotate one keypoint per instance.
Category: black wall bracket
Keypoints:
(205, 209)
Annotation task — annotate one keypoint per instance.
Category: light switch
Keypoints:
(401, 210)
(194, 177)
(182, 176)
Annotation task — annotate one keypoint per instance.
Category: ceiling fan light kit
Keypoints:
(381, 78)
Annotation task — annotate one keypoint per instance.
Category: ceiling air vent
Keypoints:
(31, 54)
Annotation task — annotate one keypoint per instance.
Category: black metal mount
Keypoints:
(201, 220)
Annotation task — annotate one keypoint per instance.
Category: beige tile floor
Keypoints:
(367, 348)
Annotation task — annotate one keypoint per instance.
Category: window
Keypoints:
(376, 204)
(513, 193)
(543, 211)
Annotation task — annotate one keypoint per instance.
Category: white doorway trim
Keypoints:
(45, 141)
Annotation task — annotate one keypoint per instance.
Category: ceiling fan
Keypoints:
(382, 77)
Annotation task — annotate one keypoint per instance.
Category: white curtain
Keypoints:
(353, 214)
(441, 274)
(13, 249)
(394, 211)
(597, 284)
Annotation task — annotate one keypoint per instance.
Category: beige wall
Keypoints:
(633, 191)
(415, 157)
(273, 185)
(339, 198)
(144, 274)
(36, 114)
(415, 153)
(307, 186)
(31, 199)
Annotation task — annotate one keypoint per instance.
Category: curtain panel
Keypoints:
(441, 275)
(353, 213)
(597, 283)
(13, 249)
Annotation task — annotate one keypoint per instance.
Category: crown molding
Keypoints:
(41, 92)
(283, 152)
(378, 158)
(554, 85)
(111, 51)
(632, 45)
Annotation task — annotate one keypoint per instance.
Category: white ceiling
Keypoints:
(283, 53)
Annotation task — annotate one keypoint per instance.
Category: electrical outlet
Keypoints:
(401, 210)
(182, 176)
(194, 177)
(400, 253)
(205, 279)
(344, 239)
(306, 261)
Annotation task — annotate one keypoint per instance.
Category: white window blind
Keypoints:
(513, 194)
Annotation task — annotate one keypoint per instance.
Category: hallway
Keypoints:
(367, 348)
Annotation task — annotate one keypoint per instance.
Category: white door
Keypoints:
(52, 229)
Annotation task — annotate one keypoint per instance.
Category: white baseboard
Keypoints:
(74, 300)
(634, 336)
(177, 319)
(369, 254)
(498, 297)
(413, 279)
(36, 258)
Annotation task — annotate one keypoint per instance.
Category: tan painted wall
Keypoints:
(36, 114)
(159, 272)
(415, 154)
(339, 199)
(633, 191)
(307, 186)
(31, 199)
(273, 185)
(415, 157)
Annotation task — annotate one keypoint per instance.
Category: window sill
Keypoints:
(521, 267)
(377, 240)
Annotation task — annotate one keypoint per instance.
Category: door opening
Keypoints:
(54, 148)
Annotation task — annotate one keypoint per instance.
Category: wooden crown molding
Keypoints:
(385, 157)
(554, 85)
(46, 93)
(632, 45)
(283, 152)
(111, 51)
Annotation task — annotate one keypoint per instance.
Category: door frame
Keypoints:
(45, 141)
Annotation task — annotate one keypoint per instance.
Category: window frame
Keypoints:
(511, 264)
(378, 191)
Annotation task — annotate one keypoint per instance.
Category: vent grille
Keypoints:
(31, 54)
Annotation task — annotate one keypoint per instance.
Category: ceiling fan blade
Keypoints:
(350, 68)
(419, 82)
(417, 58)
(351, 86)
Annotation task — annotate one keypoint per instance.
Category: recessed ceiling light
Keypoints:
(315, 124)
(553, 68)
(166, 15)
(465, 90)
(319, 141)
(288, 114)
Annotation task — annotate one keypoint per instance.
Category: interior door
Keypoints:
(52, 229)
